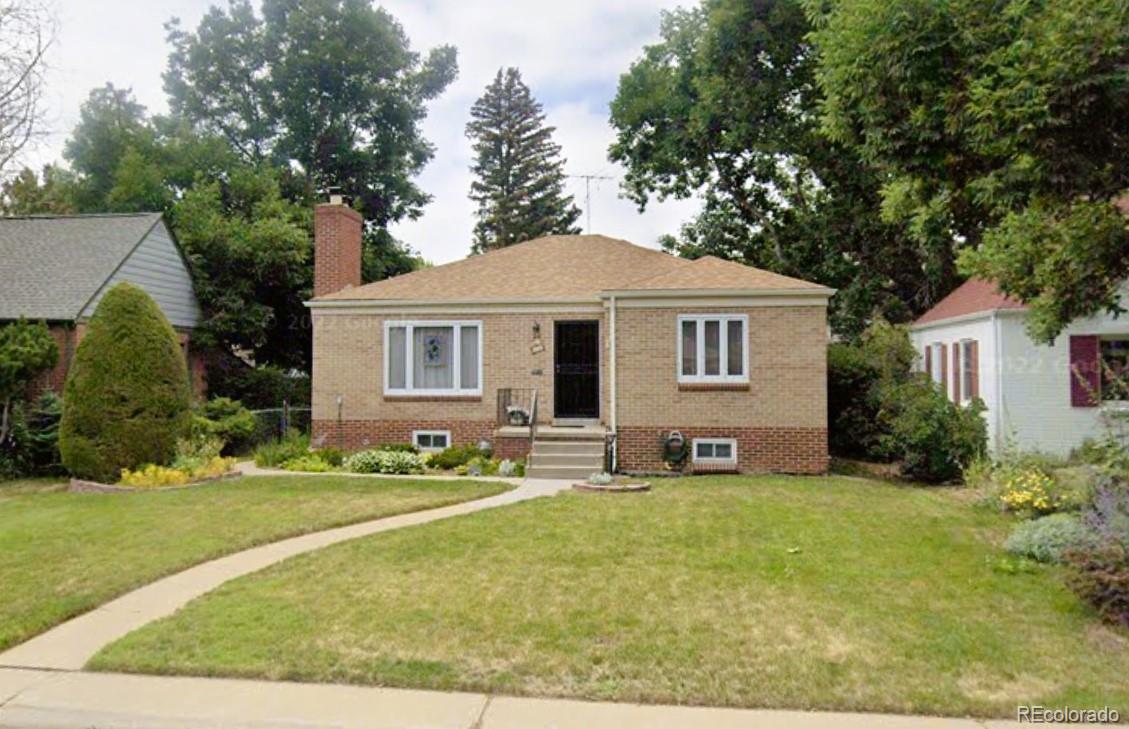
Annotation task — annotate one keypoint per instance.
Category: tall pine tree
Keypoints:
(519, 173)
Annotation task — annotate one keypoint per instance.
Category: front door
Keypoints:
(576, 369)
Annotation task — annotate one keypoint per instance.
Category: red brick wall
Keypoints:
(337, 248)
(781, 450)
(358, 434)
(515, 449)
(68, 338)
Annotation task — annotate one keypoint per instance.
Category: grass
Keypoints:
(62, 554)
(835, 593)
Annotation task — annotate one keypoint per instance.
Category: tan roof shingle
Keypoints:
(565, 267)
(711, 272)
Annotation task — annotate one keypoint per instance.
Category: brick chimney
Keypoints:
(337, 247)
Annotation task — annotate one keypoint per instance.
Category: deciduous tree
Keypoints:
(725, 107)
(1003, 126)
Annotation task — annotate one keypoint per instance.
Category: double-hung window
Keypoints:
(713, 348)
(433, 358)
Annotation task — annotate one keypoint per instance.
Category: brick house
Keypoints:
(607, 347)
(56, 269)
(1038, 397)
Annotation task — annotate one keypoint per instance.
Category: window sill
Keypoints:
(712, 386)
(432, 398)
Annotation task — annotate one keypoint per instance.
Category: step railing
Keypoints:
(517, 407)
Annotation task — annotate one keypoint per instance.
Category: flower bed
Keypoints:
(80, 486)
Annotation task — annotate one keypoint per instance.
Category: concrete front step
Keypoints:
(586, 434)
(588, 460)
(578, 473)
(569, 447)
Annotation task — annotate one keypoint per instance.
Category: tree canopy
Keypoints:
(726, 107)
(518, 168)
(1003, 126)
(330, 87)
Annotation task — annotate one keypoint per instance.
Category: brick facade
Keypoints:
(780, 450)
(348, 362)
(359, 434)
(337, 248)
(67, 338)
(779, 418)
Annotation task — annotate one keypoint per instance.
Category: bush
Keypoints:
(405, 447)
(483, 466)
(310, 463)
(196, 450)
(456, 456)
(257, 387)
(276, 452)
(1107, 514)
(1050, 538)
(1101, 577)
(227, 419)
(332, 456)
(400, 462)
(934, 438)
(857, 374)
(15, 461)
(127, 394)
(43, 434)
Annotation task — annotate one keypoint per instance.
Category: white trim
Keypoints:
(417, 433)
(962, 346)
(728, 302)
(723, 353)
(644, 300)
(963, 318)
(821, 292)
(409, 365)
(413, 306)
(732, 442)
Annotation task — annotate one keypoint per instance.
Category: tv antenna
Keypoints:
(588, 193)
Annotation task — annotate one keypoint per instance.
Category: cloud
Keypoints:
(571, 54)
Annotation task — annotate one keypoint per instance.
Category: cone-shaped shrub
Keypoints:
(127, 396)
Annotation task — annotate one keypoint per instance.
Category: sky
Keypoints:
(570, 53)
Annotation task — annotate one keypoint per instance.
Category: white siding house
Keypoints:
(1048, 398)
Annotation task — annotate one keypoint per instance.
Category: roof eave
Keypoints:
(820, 292)
(962, 318)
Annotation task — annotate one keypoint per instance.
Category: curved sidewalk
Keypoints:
(70, 645)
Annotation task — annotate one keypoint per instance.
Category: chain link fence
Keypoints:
(272, 423)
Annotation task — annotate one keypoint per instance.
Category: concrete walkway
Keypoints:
(70, 645)
(64, 700)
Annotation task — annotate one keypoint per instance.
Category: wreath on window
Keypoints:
(433, 350)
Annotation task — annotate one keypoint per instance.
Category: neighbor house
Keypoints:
(1050, 398)
(56, 269)
(611, 349)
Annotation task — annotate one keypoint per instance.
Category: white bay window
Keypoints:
(433, 358)
(713, 348)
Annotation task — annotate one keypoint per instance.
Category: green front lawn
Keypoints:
(62, 554)
(830, 593)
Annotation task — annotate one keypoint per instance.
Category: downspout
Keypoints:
(612, 377)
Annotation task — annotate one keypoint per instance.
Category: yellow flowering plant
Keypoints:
(154, 476)
(1030, 490)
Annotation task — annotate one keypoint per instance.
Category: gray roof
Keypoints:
(52, 266)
